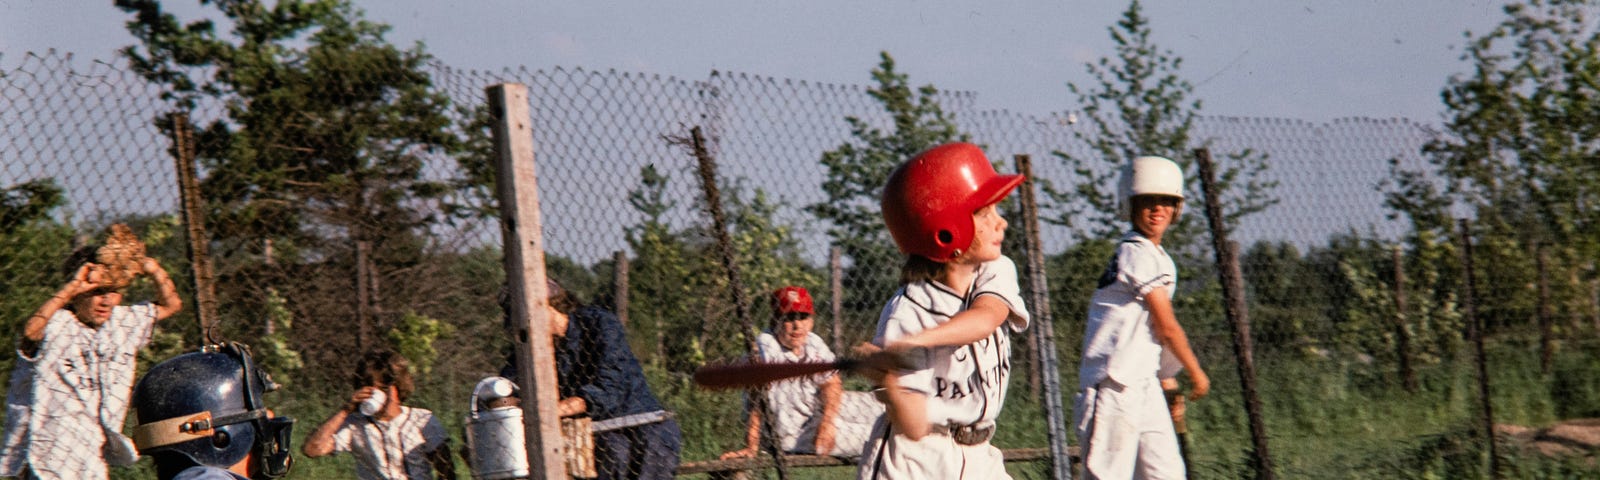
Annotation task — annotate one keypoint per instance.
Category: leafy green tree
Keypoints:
(26, 202)
(1518, 154)
(1140, 105)
(659, 271)
(325, 133)
(769, 257)
(857, 170)
(32, 246)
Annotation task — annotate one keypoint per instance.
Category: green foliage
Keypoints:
(1139, 105)
(320, 157)
(683, 325)
(26, 202)
(32, 247)
(272, 350)
(326, 120)
(857, 171)
(413, 337)
(1518, 156)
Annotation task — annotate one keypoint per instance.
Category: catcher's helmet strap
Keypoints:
(182, 429)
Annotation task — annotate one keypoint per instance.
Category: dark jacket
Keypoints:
(594, 362)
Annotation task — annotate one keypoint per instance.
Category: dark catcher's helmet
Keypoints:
(929, 200)
(205, 408)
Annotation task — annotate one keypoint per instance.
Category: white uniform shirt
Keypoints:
(794, 402)
(965, 385)
(393, 449)
(66, 404)
(1119, 342)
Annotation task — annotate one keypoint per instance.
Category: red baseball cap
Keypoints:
(791, 299)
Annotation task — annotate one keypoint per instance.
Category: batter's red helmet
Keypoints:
(929, 200)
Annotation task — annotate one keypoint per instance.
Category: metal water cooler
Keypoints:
(495, 436)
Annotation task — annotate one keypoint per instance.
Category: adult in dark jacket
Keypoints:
(598, 377)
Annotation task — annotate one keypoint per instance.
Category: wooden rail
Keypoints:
(727, 469)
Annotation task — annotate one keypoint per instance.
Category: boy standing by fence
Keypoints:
(1132, 339)
(76, 359)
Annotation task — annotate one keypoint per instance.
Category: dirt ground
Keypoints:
(1570, 438)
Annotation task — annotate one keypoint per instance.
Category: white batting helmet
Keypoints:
(1148, 175)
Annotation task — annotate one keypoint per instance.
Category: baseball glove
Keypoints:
(122, 254)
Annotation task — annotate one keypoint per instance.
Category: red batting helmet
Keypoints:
(929, 200)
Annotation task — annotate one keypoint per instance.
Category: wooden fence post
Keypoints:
(619, 285)
(1469, 294)
(205, 293)
(836, 295)
(1043, 326)
(1228, 272)
(1408, 377)
(707, 168)
(523, 237)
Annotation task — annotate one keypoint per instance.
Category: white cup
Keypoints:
(373, 404)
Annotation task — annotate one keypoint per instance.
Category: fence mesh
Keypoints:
(411, 262)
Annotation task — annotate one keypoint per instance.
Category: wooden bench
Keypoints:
(738, 468)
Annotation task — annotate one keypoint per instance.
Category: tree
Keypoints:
(1518, 152)
(1139, 106)
(857, 170)
(26, 202)
(680, 274)
(660, 270)
(326, 131)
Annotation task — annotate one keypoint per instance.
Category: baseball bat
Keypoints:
(747, 374)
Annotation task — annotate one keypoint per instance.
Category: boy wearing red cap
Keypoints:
(806, 411)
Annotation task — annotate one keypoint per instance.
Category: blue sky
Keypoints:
(1283, 58)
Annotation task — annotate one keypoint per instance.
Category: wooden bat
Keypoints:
(748, 375)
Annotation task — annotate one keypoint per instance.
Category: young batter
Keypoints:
(943, 326)
(1132, 340)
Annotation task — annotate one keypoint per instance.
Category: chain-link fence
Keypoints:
(1356, 308)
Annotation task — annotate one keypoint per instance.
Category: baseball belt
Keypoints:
(966, 434)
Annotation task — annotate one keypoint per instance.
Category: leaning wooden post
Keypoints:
(363, 297)
(517, 184)
(1469, 294)
(707, 168)
(1043, 326)
(205, 293)
(1228, 272)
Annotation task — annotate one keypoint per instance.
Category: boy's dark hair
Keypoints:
(562, 299)
(78, 257)
(383, 368)
(919, 269)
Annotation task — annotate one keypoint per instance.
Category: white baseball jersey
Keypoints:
(964, 385)
(795, 402)
(1120, 413)
(67, 403)
(393, 449)
(1118, 341)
